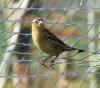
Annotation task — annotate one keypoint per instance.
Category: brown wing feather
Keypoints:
(56, 42)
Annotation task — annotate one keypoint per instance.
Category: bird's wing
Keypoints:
(56, 42)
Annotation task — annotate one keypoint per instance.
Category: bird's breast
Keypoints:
(36, 38)
(43, 44)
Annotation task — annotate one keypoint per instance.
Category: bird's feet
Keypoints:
(42, 62)
(49, 64)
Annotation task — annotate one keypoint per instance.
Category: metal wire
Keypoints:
(67, 23)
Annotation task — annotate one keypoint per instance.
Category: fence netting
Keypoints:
(75, 22)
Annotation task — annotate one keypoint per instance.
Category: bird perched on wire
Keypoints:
(47, 42)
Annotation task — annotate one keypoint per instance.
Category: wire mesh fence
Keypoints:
(76, 22)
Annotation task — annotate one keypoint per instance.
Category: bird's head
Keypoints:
(38, 23)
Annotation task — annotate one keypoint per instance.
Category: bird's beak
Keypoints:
(41, 23)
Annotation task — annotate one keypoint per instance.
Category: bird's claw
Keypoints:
(42, 62)
(50, 64)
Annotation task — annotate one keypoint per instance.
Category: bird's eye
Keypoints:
(36, 21)
(40, 19)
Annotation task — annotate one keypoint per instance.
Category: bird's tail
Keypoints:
(79, 50)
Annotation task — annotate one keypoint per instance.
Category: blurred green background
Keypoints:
(76, 22)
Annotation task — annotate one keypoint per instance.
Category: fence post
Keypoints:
(9, 15)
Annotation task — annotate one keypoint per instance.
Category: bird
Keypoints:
(48, 42)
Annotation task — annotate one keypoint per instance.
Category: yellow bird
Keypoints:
(47, 42)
